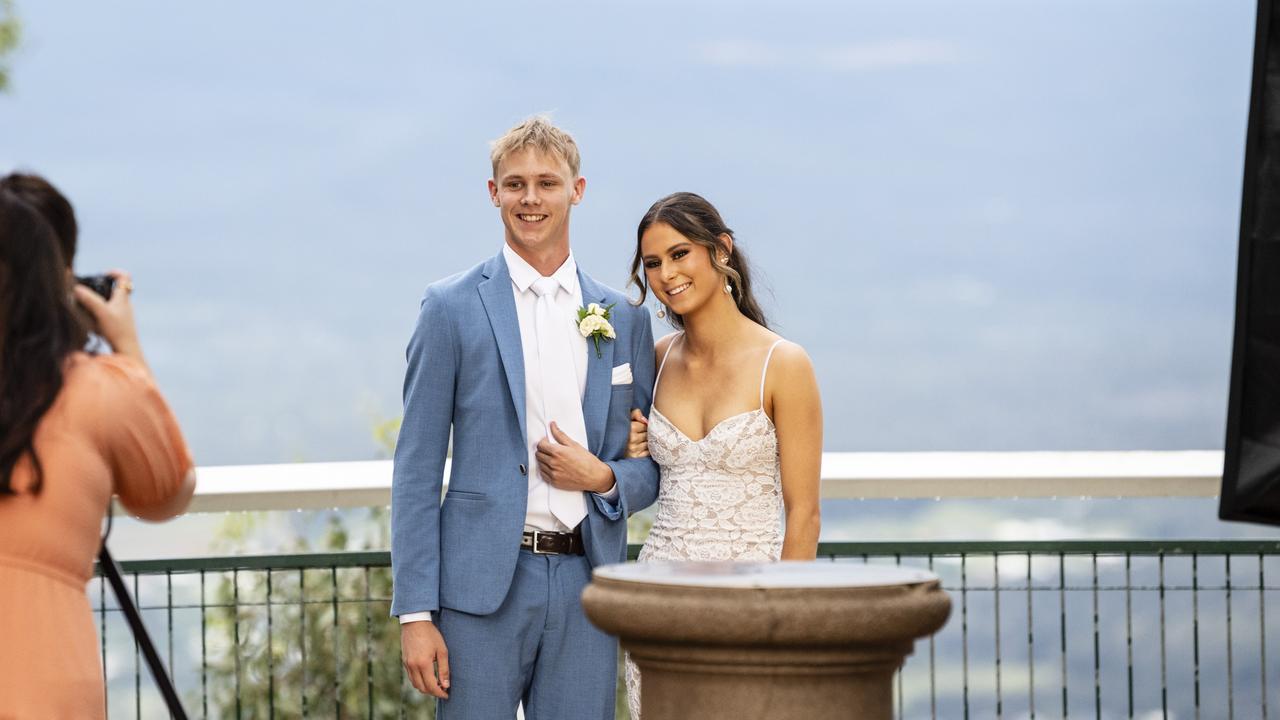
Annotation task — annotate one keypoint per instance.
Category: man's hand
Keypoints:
(423, 648)
(568, 466)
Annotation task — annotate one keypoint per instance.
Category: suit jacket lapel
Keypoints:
(595, 401)
(500, 305)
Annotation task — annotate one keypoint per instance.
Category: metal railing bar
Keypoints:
(337, 646)
(1031, 646)
(964, 631)
(995, 564)
(204, 651)
(1097, 656)
(368, 644)
(1195, 625)
(271, 658)
(1128, 626)
(1231, 699)
(137, 664)
(1164, 666)
(302, 633)
(169, 591)
(933, 654)
(886, 548)
(235, 618)
(1062, 625)
(898, 561)
(1262, 630)
(371, 558)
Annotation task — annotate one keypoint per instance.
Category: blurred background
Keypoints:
(995, 226)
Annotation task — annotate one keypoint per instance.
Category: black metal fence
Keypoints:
(1089, 629)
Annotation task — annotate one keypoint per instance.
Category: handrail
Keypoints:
(883, 548)
(1126, 474)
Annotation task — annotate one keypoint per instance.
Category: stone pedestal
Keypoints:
(740, 641)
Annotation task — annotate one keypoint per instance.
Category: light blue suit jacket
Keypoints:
(466, 372)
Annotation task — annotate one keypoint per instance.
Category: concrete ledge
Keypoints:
(1136, 474)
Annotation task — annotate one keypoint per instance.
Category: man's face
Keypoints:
(534, 191)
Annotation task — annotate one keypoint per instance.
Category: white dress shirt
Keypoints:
(567, 301)
(538, 513)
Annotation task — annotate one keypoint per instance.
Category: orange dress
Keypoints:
(108, 431)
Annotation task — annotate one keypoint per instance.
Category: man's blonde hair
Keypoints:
(536, 132)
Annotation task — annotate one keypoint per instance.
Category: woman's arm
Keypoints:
(175, 505)
(638, 441)
(797, 415)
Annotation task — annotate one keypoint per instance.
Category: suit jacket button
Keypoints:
(523, 469)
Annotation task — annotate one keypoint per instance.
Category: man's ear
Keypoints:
(579, 187)
(493, 193)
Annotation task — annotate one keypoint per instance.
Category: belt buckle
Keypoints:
(537, 549)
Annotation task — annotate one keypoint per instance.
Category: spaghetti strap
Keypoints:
(664, 363)
(763, 372)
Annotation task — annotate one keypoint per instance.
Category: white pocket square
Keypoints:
(622, 374)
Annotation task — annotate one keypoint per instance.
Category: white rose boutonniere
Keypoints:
(593, 323)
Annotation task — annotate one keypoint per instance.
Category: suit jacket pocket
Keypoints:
(621, 399)
(618, 427)
(465, 495)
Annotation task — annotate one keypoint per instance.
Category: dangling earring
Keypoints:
(728, 289)
(662, 310)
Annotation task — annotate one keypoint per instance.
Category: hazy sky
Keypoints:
(1002, 225)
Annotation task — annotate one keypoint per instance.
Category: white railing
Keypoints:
(1134, 474)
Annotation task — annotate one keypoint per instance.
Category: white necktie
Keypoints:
(560, 400)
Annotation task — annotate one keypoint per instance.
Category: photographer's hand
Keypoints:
(114, 316)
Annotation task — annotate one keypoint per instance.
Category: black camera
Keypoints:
(101, 284)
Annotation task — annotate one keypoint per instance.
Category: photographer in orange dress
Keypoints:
(75, 429)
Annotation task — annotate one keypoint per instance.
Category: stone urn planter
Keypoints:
(812, 640)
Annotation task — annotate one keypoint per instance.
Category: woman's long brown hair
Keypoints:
(39, 328)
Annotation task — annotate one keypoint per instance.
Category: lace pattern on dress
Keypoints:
(720, 497)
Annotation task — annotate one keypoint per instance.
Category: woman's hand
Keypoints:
(115, 316)
(638, 442)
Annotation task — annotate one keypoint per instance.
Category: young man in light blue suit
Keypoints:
(488, 583)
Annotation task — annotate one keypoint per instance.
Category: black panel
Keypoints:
(1251, 474)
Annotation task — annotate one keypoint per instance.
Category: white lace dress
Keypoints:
(720, 497)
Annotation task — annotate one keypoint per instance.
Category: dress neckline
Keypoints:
(764, 371)
(655, 411)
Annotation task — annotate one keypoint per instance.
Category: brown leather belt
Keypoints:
(553, 543)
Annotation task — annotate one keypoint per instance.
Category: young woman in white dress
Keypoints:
(736, 422)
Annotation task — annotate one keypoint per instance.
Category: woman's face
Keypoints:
(678, 270)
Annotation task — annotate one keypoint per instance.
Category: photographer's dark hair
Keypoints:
(694, 217)
(53, 205)
(39, 328)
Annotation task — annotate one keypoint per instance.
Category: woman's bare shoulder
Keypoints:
(660, 347)
(789, 358)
